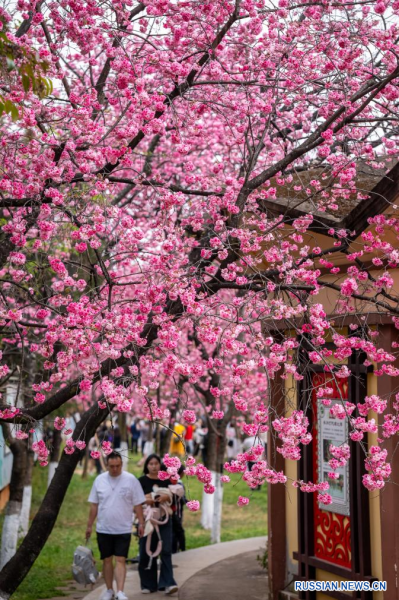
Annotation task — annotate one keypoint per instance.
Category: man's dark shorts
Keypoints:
(113, 545)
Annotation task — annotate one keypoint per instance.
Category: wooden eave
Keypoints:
(380, 198)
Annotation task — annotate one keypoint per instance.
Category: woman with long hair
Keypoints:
(162, 533)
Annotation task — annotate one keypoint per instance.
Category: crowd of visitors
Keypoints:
(184, 439)
(157, 503)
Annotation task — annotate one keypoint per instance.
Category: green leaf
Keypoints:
(14, 113)
(26, 83)
(8, 106)
(29, 71)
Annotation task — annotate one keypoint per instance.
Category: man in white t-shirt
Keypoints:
(113, 497)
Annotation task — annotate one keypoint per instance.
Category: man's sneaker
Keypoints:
(146, 591)
(107, 595)
(171, 590)
(121, 596)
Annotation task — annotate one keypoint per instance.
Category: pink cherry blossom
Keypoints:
(217, 414)
(59, 423)
(106, 447)
(189, 416)
(242, 501)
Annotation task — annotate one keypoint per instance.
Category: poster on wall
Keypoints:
(333, 431)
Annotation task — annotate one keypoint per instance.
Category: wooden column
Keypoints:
(389, 505)
(306, 518)
(277, 548)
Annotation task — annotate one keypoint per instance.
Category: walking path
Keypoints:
(211, 572)
(239, 577)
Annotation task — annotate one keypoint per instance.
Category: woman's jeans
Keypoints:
(149, 577)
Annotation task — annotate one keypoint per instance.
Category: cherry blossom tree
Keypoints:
(165, 167)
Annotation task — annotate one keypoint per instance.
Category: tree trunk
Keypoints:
(9, 537)
(27, 381)
(158, 439)
(218, 494)
(124, 447)
(164, 444)
(18, 567)
(211, 514)
(217, 510)
(86, 463)
(208, 506)
(54, 455)
(27, 496)
(210, 460)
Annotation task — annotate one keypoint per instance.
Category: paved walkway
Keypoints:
(237, 578)
(209, 572)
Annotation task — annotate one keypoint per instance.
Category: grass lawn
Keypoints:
(53, 567)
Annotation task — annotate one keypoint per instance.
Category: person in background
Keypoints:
(144, 433)
(197, 437)
(113, 497)
(232, 447)
(103, 434)
(176, 445)
(117, 438)
(188, 439)
(179, 535)
(135, 436)
(148, 565)
(96, 461)
(201, 440)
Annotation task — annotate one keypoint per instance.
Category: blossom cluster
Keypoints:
(293, 431)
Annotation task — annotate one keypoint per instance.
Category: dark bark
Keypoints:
(122, 427)
(56, 446)
(18, 449)
(216, 447)
(86, 463)
(158, 438)
(164, 444)
(210, 450)
(29, 466)
(217, 441)
(18, 567)
(26, 24)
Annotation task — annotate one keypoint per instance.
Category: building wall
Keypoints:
(291, 503)
(384, 526)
